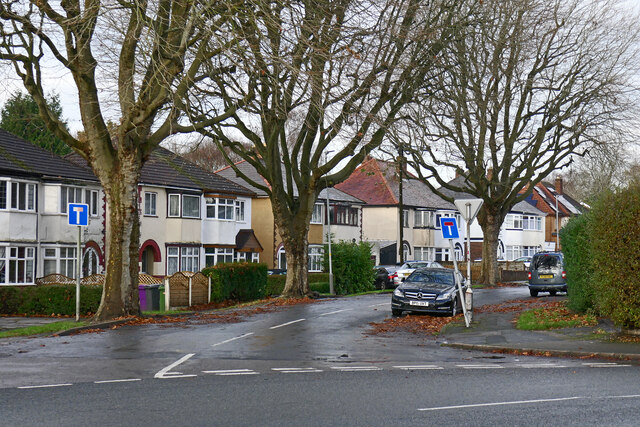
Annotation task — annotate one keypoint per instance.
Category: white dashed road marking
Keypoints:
(295, 370)
(335, 312)
(45, 386)
(419, 367)
(227, 372)
(128, 380)
(480, 366)
(165, 372)
(604, 365)
(516, 402)
(540, 365)
(232, 339)
(355, 368)
(287, 324)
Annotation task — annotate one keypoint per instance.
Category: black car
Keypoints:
(384, 276)
(430, 290)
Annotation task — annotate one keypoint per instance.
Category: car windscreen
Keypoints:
(440, 277)
(416, 264)
(546, 261)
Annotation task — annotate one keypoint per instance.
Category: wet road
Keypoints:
(325, 334)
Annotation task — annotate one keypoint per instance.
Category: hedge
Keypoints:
(575, 237)
(49, 300)
(352, 267)
(244, 281)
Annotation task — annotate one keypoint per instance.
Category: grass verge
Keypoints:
(48, 328)
(553, 318)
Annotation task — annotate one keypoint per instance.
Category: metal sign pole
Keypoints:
(78, 259)
(458, 284)
(469, 296)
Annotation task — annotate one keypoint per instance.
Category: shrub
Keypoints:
(352, 267)
(276, 282)
(238, 281)
(575, 237)
(616, 255)
(49, 300)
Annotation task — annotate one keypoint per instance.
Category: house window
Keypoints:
(69, 195)
(443, 215)
(19, 196)
(314, 263)
(316, 216)
(91, 198)
(529, 250)
(68, 262)
(190, 206)
(173, 260)
(422, 219)
(214, 256)
(405, 218)
(513, 252)
(422, 253)
(190, 259)
(174, 205)
(442, 254)
(532, 223)
(3, 194)
(406, 251)
(343, 215)
(514, 222)
(222, 208)
(20, 262)
(150, 200)
(90, 263)
(50, 261)
(240, 210)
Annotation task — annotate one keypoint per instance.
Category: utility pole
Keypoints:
(400, 164)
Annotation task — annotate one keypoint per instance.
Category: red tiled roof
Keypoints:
(370, 183)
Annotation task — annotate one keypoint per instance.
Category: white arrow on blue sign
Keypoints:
(449, 227)
(78, 214)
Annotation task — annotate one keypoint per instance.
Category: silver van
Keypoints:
(547, 273)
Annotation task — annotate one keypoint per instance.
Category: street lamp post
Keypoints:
(331, 291)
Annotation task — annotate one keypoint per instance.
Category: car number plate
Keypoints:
(419, 303)
(546, 276)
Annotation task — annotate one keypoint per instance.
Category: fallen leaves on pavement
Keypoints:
(417, 324)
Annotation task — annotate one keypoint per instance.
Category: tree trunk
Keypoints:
(490, 223)
(120, 292)
(297, 284)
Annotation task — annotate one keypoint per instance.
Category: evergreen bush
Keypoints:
(575, 237)
(49, 300)
(243, 281)
(352, 267)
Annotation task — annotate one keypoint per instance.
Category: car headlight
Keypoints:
(446, 295)
(398, 292)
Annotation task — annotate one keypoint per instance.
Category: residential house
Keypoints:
(345, 222)
(521, 234)
(551, 198)
(376, 183)
(35, 238)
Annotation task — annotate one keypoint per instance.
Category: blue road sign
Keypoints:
(449, 227)
(78, 214)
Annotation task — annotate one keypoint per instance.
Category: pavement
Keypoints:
(496, 332)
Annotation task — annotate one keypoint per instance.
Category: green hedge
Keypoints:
(352, 267)
(575, 237)
(49, 300)
(616, 255)
(275, 283)
(244, 281)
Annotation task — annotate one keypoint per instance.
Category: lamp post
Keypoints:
(331, 291)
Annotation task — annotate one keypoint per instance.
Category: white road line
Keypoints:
(164, 372)
(480, 366)
(379, 305)
(419, 367)
(295, 370)
(118, 381)
(335, 312)
(540, 365)
(232, 339)
(604, 365)
(355, 368)
(45, 386)
(517, 402)
(287, 324)
(226, 372)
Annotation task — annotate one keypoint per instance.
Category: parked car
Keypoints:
(524, 259)
(409, 267)
(384, 276)
(547, 273)
(430, 290)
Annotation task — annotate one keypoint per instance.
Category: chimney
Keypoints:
(559, 185)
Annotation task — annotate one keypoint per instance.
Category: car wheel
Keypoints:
(533, 292)
(454, 308)
(552, 293)
(396, 312)
(382, 285)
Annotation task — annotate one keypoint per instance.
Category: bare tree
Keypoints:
(206, 153)
(322, 76)
(533, 83)
(130, 59)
